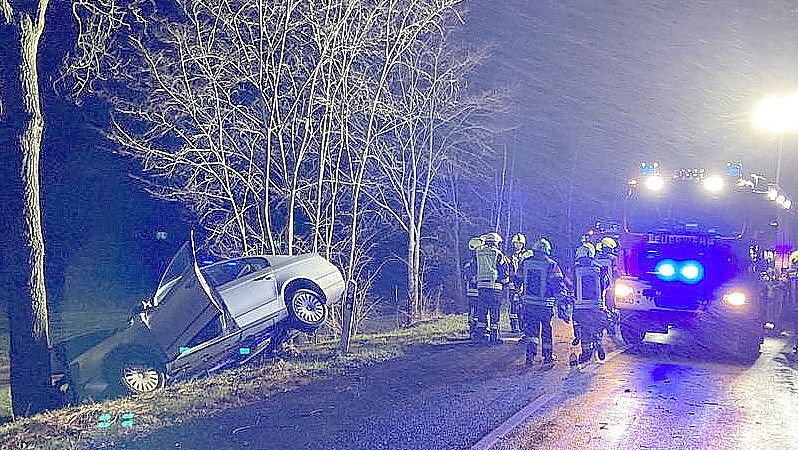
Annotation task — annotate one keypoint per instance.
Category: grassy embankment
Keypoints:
(77, 426)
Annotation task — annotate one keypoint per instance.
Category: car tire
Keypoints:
(307, 309)
(632, 334)
(136, 373)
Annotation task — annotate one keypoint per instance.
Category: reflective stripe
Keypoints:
(489, 285)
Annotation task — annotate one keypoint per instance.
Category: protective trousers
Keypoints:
(473, 315)
(515, 311)
(592, 323)
(537, 327)
(490, 301)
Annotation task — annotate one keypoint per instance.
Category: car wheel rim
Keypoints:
(141, 379)
(308, 307)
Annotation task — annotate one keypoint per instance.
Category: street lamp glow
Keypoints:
(714, 184)
(777, 114)
(780, 200)
(787, 204)
(772, 194)
(655, 183)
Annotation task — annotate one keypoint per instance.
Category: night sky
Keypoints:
(595, 87)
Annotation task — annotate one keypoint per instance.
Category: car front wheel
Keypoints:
(308, 309)
(138, 374)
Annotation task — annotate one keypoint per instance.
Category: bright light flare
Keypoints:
(787, 204)
(623, 290)
(691, 272)
(735, 298)
(655, 183)
(772, 194)
(666, 270)
(780, 200)
(777, 114)
(714, 184)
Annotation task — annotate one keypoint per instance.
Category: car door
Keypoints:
(250, 296)
(183, 305)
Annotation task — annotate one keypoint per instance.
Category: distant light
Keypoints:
(655, 183)
(735, 298)
(666, 270)
(770, 325)
(714, 184)
(777, 114)
(780, 200)
(772, 194)
(787, 204)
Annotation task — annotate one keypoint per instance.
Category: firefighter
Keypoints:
(492, 275)
(470, 281)
(592, 281)
(606, 257)
(541, 281)
(519, 242)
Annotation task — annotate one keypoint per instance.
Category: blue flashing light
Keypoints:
(666, 270)
(127, 423)
(691, 272)
(231, 263)
(244, 351)
(734, 170)
(183, 349)
(648, 169)
(103, 424)
(105, 417)
(207, 262)
(128, 416)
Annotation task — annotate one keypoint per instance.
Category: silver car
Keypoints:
(204, 319)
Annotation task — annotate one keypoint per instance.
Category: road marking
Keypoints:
(536, 405)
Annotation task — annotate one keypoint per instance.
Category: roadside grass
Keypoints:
(77, 427)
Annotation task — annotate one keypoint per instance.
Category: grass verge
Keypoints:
(78, 427)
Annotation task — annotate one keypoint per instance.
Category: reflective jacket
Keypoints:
(492, 268)
(542, 282)
(592, 280)
(516, 259)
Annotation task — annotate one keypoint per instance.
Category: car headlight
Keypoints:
(735, 298)
(623, 290)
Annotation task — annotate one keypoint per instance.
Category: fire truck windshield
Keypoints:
(686, 208)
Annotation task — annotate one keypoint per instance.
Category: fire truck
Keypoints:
(692, 254)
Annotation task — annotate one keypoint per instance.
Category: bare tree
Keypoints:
(23, 250)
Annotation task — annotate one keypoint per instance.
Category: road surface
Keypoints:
(662, 395)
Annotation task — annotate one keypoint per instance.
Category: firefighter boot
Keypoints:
(600, 351)
(494, 338)
(549, 358)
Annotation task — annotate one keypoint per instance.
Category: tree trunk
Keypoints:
(27, 307)
(411, 301)
(457, 245)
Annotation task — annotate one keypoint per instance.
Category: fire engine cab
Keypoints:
(691, 254)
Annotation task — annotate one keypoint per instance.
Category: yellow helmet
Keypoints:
(609, 243)
(794, 257)
(542, 245)
(586, 250)
(492, 238)
(475, 243)
(519, 237)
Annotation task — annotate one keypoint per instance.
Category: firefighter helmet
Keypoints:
(519, 238)
(542, 245)
(492, 238)
(586, 250)
(475, 243)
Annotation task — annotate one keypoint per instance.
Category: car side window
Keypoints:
(223, 273)
(212, 330)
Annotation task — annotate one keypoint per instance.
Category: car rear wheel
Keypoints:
(307, 309)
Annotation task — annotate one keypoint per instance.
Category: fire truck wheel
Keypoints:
(633, 334)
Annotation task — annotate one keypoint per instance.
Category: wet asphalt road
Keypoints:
(662, 395)
(666, 396)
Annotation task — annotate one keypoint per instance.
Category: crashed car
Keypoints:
(203, 319)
